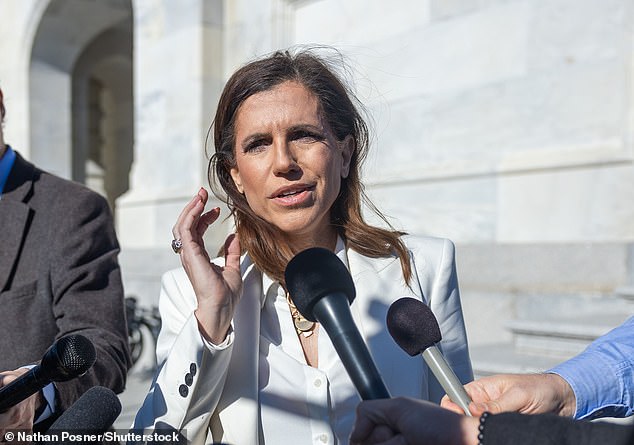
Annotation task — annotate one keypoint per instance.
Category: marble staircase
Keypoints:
(541, 339)
(528, 307)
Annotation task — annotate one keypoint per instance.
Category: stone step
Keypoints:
(625, 292)
(562, 337)
(504, 358)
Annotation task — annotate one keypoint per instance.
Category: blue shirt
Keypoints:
(602, 376)
(6, 162)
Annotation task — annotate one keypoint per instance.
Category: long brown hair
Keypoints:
(265, 243)
(2, 110)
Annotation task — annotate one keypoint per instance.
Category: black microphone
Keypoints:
(69, 357)
(414, 327)
(322, 289)
(92, 414)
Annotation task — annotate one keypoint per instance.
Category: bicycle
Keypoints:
(144, 325)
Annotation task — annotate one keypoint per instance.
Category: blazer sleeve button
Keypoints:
(183, 390)
(192, 369)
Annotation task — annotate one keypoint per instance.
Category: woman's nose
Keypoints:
(285, 159)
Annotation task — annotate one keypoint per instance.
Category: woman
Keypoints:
(238, 363)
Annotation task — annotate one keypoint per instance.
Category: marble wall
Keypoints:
(495, 121)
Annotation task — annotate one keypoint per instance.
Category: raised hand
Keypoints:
(218, 288)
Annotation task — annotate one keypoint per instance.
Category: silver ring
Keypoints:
(177, 245)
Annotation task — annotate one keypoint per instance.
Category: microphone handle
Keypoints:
(447, 378)
(24, 386)
(333, 313)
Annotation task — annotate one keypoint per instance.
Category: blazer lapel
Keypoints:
(238, 408)
(379, 282)
(13, 220)
(14, 216)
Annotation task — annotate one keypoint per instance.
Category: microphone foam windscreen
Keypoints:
(412, 325)
(95, 411)
(69, 357)
(314, 273)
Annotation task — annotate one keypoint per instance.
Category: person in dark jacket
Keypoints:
(59, 275)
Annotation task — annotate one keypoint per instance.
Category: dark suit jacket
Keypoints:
(59, 275)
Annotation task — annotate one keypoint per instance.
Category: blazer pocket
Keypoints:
(28, 325)
(26, 312)
(19, 293)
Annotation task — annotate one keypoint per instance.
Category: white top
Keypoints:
(317, 403)
(255, 387)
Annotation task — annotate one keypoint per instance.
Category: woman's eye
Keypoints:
(255, 146)
(307, 137)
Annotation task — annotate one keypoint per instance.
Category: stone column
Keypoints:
(177, 65)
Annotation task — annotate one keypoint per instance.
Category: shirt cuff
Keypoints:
(228, 341)
(597, 384)
(49, 397)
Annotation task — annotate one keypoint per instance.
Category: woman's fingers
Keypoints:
(203, 195)
(190, 215)
(196, 199)
(232, 252)
(188, 224)
(192, 224)
(189, 228)
(207, 219)
(231, 270)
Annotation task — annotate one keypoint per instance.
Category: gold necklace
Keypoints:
(302, 325)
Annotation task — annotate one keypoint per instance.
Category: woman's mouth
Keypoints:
(292, 196)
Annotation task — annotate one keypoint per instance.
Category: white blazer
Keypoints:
(213, 394)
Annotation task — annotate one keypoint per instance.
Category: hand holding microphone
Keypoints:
(415, 329)
(21, 416)
(69, 357)
(322, 289)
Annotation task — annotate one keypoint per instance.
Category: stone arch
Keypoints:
(78, 43)
(103, 114)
